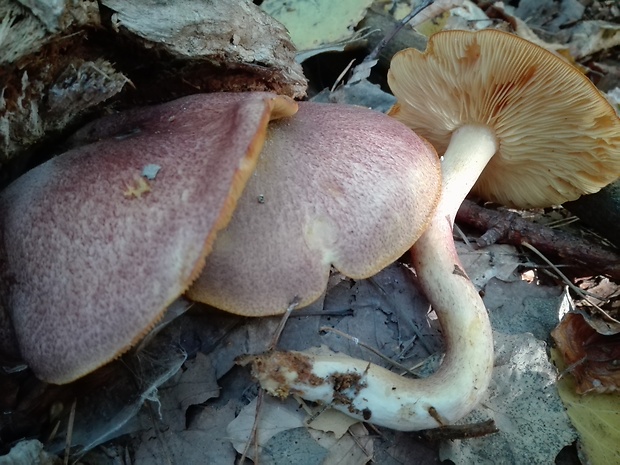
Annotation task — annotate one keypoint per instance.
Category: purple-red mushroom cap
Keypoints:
(336, 186)
(97, 243)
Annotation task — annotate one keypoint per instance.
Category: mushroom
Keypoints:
(517, 125)
(98, 241)
(521, 126)
(336, 185)
(525, 129)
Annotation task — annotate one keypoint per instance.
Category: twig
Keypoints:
(359, 444)
(253, 436)
(356, 341)
(453, 432)
(562, 222)
(276, 337)
(362, 71)
(341, 76)
(510, 228)
(69, 437)
(568, 282)
(459, 232)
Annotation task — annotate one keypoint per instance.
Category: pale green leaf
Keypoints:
(312, 23)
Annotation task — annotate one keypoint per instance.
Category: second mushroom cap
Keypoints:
(336, 185)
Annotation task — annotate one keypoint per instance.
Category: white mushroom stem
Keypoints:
(467, 367)
(377, 395)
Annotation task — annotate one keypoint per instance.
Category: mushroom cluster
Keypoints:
(98, 241)
(246, 201)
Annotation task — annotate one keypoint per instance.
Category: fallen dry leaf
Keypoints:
(355, 448)
(204, 441)
(275, 417)
(591, 357)
(332, 421)
(495, 261)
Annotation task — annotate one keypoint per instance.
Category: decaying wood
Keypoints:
(25, 30)
(60, 60)
(207, 45)
(509, 228)
(46, 78)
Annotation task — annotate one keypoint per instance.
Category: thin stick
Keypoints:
(562, 222)
(341, 76)
(568, 282)
(452, 432)
(356, 341)
(253, 436)
(381, 45)
(276, 337)
(459, 232)
(359, 444)
(70, 432)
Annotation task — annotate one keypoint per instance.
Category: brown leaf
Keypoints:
(592, 358)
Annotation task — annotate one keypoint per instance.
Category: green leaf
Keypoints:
(317, 22)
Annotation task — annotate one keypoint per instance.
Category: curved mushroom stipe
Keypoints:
(335, 185)
(99, 240)
(517, 125)
(371, 393)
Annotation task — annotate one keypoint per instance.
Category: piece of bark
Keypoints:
(47, 97)
(510, 228)
(208, 45)
(60, 60)
(26, 27)
(47, 79)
